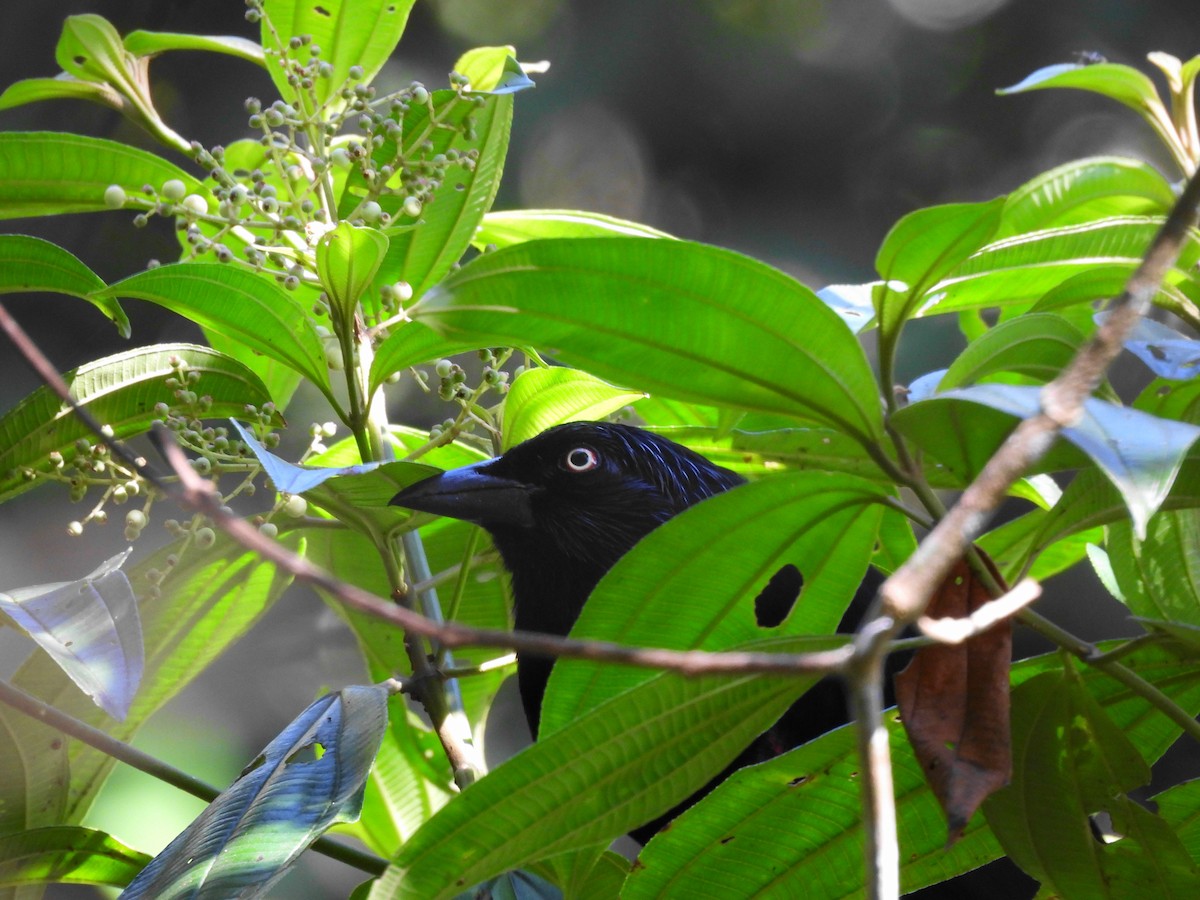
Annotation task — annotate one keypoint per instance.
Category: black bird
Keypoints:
(562, 508)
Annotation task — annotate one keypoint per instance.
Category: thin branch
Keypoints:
(144, 762)
(955, 631)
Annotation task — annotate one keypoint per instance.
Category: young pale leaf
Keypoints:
(1038, 345)
(686, 320)
(1140, 453)
(1166, 352)
(492, 70)
(308, 778)
(238, 303)
(67, 854)
(619, 765)
(90, 48)
(1124, 84)
(1086, 189)
(347, 259)
(823, 525)
(121, 392)
(64, 87)
(30, 264)
(91, 628)
(209, 599)
(1158, 577)
(503, 229)
(350, 33)
(46, 173)
(542, 398)
(1072, 760)
(152, 43)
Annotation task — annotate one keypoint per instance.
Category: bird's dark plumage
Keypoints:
(562, 508)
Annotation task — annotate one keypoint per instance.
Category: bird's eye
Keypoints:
(581, 459)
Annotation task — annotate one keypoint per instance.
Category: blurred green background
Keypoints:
(796, 131)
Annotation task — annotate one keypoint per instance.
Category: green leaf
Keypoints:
(90, 48)
(620, 764)
(1159, 576)
(347, 259)
(30, 264)
(349, 32)
(687, 320)
(46, 173)
(424, 247)
(120, 391)
(152, 43)
(1038, 345)
(1070, 761)
(209, 599)
(1180, 807)
(824, 525)
(791, 826)
(1122, 83)
(280, 380)
(542, 398)
(926, 244)
(238, 303)
(1021, 269)
(67, 854)
(90, 627)
(308, 778)
(503, 229)
(1140, 453)
(62, 87)
(36, 772)
(409, 344)
(1083, 190)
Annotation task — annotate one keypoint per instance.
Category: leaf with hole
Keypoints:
(308, 778)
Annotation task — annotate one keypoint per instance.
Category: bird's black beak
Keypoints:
(469, 493)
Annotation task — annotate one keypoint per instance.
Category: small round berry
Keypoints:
(295, 506)
(268, 529)
(136, 519)
(371, 211)
(194, 203)
(443, 367)
(74, 529)
(205, 537)
(174, 189)
(114, 196)
(412, 206)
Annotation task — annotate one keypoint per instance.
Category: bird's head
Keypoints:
(584, 491)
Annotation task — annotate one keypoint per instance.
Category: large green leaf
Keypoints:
(1038, 345)
(347, 259)
(349, 32)
(1086, 189)
(409, 344)
(1021, 269)
(668, 592)
(1070, 761)
(29, 264)
(238, 303)
(67, 854)
(308, 778)
(119, 391)
(47, 173)
(542, 398)
(620, 764)
(791, 827)
(1159, 576)
(208, 600)
(687, 320)
(63, 87)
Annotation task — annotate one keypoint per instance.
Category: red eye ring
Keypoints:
(581, 459)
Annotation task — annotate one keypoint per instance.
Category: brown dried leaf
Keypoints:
(954, 704)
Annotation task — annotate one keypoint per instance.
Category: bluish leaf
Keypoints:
(91, 628)
(311, 776)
